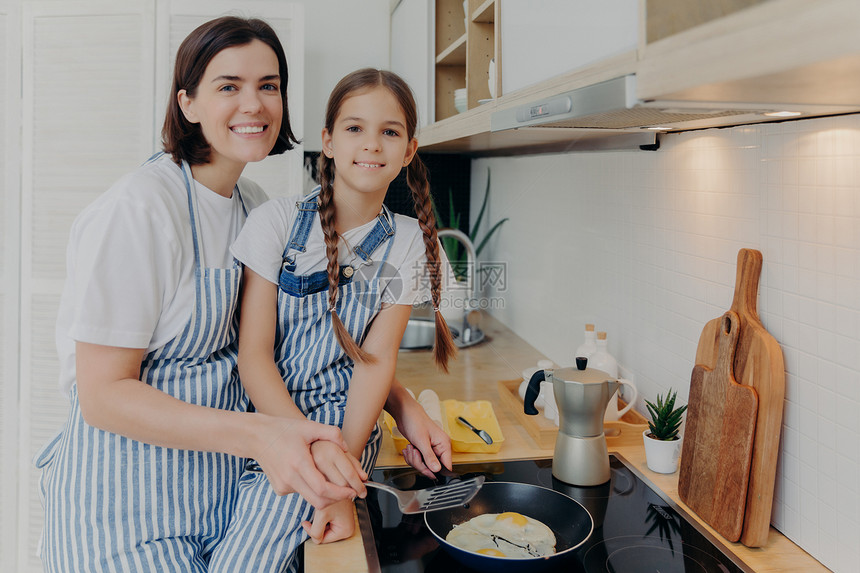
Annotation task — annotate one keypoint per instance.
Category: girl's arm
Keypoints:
(263, 382)
(371, 383)
(429, 446)
(257, 369)
(368, 391)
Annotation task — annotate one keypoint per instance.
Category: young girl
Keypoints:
(330, 282)
(143, 476)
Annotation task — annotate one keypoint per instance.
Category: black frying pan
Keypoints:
(570, 522)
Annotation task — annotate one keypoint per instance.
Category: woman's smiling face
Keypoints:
(238, 103)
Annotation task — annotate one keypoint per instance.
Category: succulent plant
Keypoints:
(665, 418)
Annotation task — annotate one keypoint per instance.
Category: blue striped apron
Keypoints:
(266, 528)
(116, 504)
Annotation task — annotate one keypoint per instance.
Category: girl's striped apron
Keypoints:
(266, 528)
(116, 504)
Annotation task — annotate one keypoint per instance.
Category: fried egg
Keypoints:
(510, 534)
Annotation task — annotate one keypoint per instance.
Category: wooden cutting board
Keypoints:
(718, 439)
(759, 364)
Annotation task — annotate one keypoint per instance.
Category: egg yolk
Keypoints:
(491, 552)
(517, 518)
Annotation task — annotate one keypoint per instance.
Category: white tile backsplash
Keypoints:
(644, 245)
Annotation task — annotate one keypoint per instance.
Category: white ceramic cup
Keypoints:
(613, 414)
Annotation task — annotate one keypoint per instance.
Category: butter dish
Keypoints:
(481, 415)
(400, 440)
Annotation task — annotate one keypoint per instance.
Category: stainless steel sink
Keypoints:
(421, 328)
(421, 333)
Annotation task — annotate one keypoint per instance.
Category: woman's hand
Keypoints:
(333, 523)
(327, 476)
(429, 446)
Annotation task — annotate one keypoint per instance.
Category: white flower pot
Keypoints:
(662, 456)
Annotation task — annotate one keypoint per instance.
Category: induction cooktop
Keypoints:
(636, 527)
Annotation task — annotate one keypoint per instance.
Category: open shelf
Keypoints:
(453, 55)
(464, 48)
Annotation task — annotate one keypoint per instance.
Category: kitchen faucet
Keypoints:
(469, 333)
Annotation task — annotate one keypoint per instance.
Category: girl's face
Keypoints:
(369, 142)
(238, 104)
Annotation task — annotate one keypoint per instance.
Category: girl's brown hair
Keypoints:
(416, 179)
(183, 139)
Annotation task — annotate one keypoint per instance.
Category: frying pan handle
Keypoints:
(532, 392)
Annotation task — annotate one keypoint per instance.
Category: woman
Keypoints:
(143, 476)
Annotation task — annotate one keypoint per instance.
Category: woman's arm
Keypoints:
(371, 383)
(112, 398)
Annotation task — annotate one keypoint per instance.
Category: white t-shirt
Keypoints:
(130, 260)
(261, 243)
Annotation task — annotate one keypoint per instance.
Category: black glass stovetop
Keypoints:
(636, 529)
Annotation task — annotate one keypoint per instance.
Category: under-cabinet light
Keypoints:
(782, 113)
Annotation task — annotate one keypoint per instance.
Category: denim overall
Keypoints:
(266, 528)
(116, 504)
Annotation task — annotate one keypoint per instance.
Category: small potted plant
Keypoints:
(662, 442)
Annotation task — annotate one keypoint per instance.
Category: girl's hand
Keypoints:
(339, 468)
(333, 523)
(286, 459)
(429, 446)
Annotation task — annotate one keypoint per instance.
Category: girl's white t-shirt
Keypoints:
(261, 244)
(130, 260)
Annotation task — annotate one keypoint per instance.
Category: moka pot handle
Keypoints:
(532, 392)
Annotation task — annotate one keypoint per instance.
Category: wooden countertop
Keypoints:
(475, 376)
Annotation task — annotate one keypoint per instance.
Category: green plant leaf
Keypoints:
(440, 223)
(665, 418)
(452, 214)
(474, 232)
(489, 234)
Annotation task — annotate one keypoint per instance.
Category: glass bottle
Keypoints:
(602, 360)
(589, 347)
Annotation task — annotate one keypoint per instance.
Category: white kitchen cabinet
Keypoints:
(752, 55)
(412, 52)
(544, 39)
(769, 52)
(10, 80)
(84, 88)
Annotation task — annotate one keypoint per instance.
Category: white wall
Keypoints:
(340, 36)
(644, 245)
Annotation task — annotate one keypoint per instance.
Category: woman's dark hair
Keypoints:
(183, 139)
(416, 178)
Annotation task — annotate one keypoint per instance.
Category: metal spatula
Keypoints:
(433, 498)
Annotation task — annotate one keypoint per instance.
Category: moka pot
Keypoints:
(582, 394)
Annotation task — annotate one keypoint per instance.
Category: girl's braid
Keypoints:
(416, 179)
(327, 220)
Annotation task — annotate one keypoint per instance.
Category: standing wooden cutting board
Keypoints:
(718, 439)
(758, 363)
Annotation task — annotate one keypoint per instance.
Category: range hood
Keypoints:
(612, 106)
